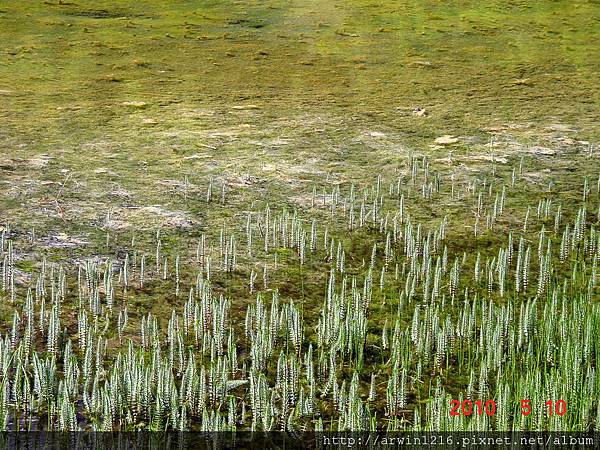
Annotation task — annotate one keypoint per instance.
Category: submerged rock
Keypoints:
(537, 150)
(446, 140)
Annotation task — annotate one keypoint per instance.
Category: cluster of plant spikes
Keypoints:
(411, 315)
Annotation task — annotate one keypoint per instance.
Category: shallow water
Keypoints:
(111, 114)
(113, 101)
(469, 64)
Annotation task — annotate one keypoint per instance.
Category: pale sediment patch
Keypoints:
(507, 144)
(560, 127)
(374, 134)
(306, 201)
(488, 158)
(120, 193)
(63, 240)
(105, 171)
(535, 177)
(177, 184)
(39, 162)
(539, 150)
(145, 217)
(483, 157)
(22, 278)
(245, 180)
(197, 156)
(447, 139)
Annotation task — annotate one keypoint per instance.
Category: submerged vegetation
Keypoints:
(250, 216)
(410, 316)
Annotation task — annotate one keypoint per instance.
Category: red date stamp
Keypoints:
(479, 407)
(466, 407)
(558, 407)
